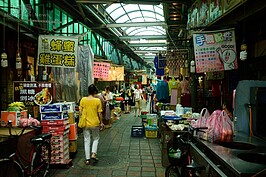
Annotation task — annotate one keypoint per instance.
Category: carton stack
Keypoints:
(73, 130)
(14, 116)
(55, 120)
(151, 128)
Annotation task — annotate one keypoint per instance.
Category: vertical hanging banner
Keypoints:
(101, 70)
(215, 51)
(57, 51)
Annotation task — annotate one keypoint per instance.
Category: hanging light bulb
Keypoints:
(4, 61)
(18, 61)
(192, 66)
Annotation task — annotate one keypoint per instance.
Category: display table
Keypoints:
(14, 131)
(8, 146)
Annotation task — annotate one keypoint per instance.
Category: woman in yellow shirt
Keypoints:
(91, 110)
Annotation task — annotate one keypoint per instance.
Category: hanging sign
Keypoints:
(57, 51)
(33, 93)
(101, 70)
(215, 51)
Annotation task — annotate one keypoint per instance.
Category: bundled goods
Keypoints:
(220, 128)
(24, 122)
(16, 106)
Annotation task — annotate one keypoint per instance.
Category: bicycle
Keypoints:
(13, 163)
(181, 163)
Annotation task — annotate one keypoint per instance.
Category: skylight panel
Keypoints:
(122, 19)
(113, 7)
(131, 7)
(149, 14)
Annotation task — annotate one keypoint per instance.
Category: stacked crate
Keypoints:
(151, 127)
(55, 120)
(73, 130)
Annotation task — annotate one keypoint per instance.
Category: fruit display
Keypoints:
(16, 106)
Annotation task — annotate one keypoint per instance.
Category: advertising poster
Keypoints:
(101, 70)
(57, 51)
(33, 93)
(215, 51)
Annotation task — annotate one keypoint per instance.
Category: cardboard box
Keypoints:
(55, 129)
(73, 132)
(73, 145)
(71, 117)
(53, 108)
(71, 106)
(11, 115)
(54, 116)
(54, 122)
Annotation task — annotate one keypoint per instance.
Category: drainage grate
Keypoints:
(105, 162)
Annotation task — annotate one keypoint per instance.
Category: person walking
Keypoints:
(138, 100)
(108, 98)
(91, 111)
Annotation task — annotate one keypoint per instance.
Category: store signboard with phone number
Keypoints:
(33, 93)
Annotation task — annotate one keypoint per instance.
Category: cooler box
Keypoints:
(137, 131)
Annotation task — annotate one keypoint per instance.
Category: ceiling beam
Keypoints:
(127, 38)
(146, 51)
(148, 45)
(135, 24)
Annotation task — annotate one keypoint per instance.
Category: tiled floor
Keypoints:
(119, 154)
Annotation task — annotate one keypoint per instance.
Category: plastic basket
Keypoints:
(8, 145)
(151, 133)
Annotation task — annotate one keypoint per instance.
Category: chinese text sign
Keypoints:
(57, 51)
(215, 51)
(101, 70)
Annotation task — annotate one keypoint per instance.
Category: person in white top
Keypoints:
(138, 99)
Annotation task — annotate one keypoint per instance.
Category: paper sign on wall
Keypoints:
(215, 51)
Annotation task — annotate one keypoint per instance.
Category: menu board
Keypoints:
(33, 93)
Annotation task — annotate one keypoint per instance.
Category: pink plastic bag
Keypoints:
(219, 127)
(204, 115)
(211, 123)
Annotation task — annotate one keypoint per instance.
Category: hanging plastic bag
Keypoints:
(220, 127)
(204, 115)
(226, 129)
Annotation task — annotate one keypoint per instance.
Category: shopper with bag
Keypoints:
(108, 98)
(138, 100)
(91, 122)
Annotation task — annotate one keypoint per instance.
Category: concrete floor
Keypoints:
(119, 154)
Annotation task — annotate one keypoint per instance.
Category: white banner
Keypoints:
(215, 51)
(57, 51)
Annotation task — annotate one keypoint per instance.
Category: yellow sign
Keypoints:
(57, 51)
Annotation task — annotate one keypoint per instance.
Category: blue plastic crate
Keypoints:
(137, 131)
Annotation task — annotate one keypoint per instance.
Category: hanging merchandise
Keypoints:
(175, 61)
(159, 63)
(85, 68)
